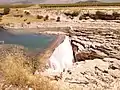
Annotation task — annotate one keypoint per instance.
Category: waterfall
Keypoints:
(62, 56)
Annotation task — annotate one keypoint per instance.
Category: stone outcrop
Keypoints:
(97, 63)
(62, 56)
(101, 15)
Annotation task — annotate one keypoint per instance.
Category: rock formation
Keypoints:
(97, 65)
(62, 56)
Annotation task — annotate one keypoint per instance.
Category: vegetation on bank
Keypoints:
(6, 11)
(17, 70)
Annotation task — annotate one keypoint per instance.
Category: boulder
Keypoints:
(62, 56)
(82, 56)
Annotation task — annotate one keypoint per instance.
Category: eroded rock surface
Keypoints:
(97, 64)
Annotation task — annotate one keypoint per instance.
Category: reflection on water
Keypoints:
(29, 40)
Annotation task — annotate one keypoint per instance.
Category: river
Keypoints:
(31, 41)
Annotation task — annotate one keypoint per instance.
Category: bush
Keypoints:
(39, 17)
(27, 13)
(16, 9)
(16, 68)
(46, 18)
(99, 13)
(6, 10)
(58, 19)
(93, 16)
(105, 16)
(116, 15)
(28, 22)
(0, 18)
(80, 18)
(73, 14)
(67, 13)
(25, 20)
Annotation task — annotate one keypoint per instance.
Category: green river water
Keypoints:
(31, 41)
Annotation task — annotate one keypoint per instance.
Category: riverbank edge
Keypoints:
(42, 30)
(46, 53)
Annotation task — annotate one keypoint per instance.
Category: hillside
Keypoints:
(89, 1)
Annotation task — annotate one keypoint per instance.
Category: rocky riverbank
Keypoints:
(65, 27)
(97, 58)
(94, 39)
(96, 47)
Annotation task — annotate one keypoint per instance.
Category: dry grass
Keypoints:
(17, 72)
(8, 19)
(44, 57)
(12, 16)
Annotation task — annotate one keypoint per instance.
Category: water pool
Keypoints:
(31, 41)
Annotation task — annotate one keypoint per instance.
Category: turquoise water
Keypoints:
(28, 40)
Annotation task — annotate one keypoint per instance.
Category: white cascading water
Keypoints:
(62, 56)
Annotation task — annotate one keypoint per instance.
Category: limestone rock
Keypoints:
(115, 73)
(62, 56)
(109, 59)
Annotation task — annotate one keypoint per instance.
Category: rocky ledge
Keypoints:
(97, 56)
(96, 47)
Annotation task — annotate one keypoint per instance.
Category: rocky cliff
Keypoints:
(62, 56)
(97, 64)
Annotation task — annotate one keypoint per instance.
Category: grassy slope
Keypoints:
(16, 71)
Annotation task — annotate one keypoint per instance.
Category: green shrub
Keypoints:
(39, 17)
(28, 22)
(99, 13)
(6, 10)
(73, 14)
(16, 9)
(25, 20)
(46, 18)
(80, 18)
(27, 13)
(67, 13)
(116, 14)
(58, 19)
(93, 16)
